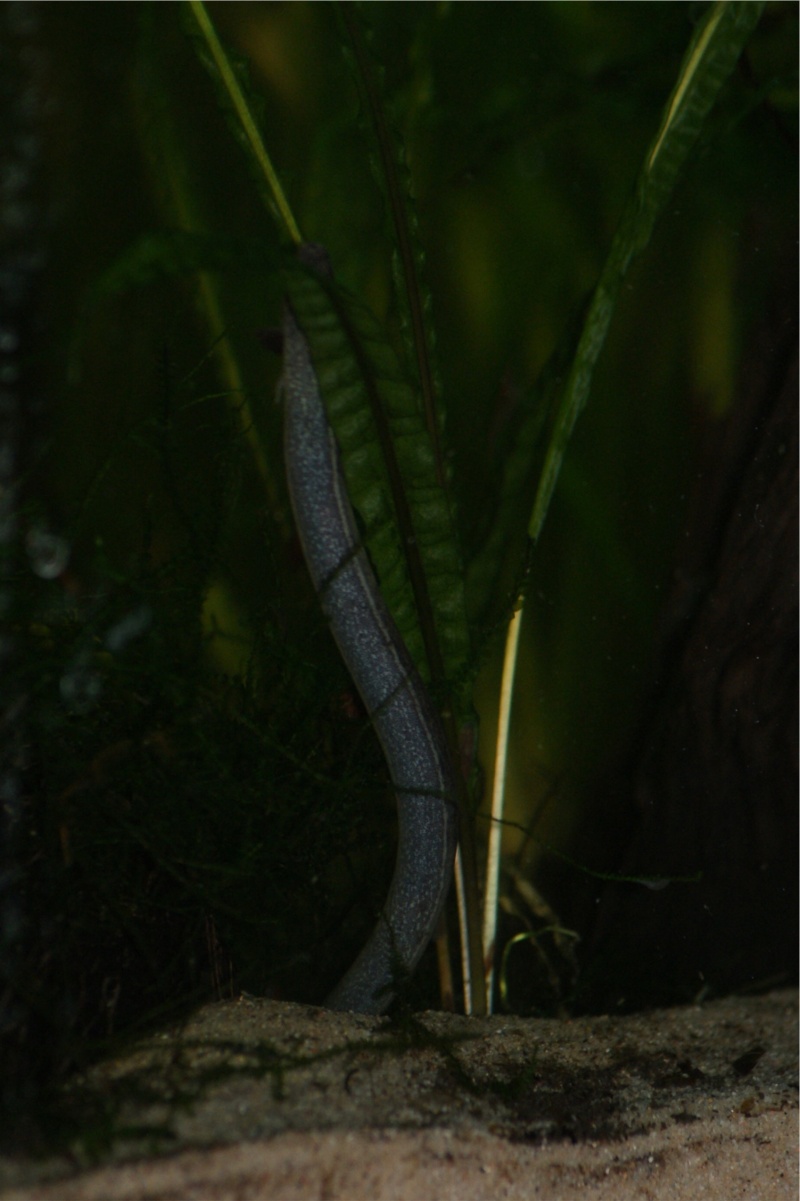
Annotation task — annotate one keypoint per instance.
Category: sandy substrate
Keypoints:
(258, 1099)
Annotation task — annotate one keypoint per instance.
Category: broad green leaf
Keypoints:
(389, 464)
(708, 62)
(393, 177)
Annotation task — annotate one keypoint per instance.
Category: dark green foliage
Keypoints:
(390, 465)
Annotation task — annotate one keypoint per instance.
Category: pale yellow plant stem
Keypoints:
(498, 801)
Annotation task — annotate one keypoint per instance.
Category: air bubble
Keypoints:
(48, 553)
(128, 628)
(9, 339)
(80, 688)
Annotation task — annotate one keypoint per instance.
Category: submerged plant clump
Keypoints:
(159, 814)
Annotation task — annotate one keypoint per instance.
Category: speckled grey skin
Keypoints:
(394, 695)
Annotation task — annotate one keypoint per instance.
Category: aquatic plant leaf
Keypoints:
(709, 60)
(389, 465)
